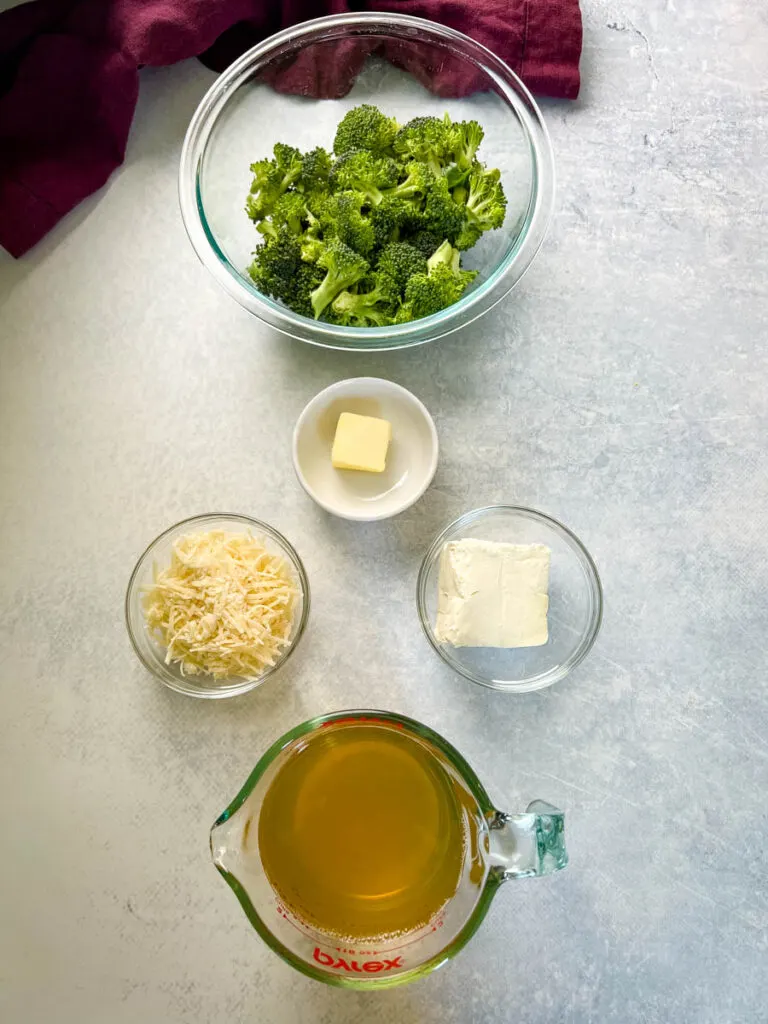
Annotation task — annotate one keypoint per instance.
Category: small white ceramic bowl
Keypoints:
(351, 494)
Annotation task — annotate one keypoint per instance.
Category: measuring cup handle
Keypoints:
(525, 845)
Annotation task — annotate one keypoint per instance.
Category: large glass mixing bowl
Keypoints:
(242, 116)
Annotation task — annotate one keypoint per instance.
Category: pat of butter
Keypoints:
(361, 442)
(493, 594)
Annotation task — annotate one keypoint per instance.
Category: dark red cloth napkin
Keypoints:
(69, 76)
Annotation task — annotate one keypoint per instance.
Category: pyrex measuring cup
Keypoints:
(503, 846)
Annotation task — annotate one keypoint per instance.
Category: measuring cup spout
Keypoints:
(525, 845)
(227, 843)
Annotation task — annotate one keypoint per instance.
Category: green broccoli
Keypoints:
(469, 134)
(312, 239)
(425, 241)
(400, 261)
(468, 236)
(365, 127)
(373, 306)
(466, 137)
(445, 254)
(405, 201)
(265, 190)
(278, 270)
(289, 211)
(486, 203)
(427, 140)
(404, 314)
(361, 171)
(442, 215)
(308, 277)
(448, 256)
(427, 294)
(276, 265)
(342, 218)
(315, 172)
(344, 268)
(415, 185)
(392, 218)
(271, 178)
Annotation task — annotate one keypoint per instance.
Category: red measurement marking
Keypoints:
(306, 934)
(410, 942)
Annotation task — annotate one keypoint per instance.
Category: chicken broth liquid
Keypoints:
(361, 832)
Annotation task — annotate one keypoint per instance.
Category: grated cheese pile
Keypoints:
(224, 606)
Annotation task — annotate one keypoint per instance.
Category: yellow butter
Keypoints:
(361, 442)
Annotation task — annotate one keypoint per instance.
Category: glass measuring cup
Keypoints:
(500, 847)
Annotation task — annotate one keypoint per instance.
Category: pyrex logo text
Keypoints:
(369, 966)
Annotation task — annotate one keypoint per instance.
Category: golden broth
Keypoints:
(361, 832)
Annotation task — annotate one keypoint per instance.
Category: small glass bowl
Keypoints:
(242, 116)
(575, 601)
(148, 647)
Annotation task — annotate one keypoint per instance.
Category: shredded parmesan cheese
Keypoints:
(224, 606)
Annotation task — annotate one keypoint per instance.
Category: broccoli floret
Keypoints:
(466, 137)
(312, 240)
(448, 149)
(486, 203)
(428, 140)
(265, 190)
(345, 267)
(392, 217)
(271, 178)
(267, 229)
(288, 160)
(315, 171)
(468, 236)
(308, 278)
(426, 294)
(373, 305)
(441, 214)
(365, 127)
(361, 171)
(400, 261)
(342, 218)
(276, 265)
(289, 211)
(425, 241)
(311, 248)
(417, 182)
(445, 254)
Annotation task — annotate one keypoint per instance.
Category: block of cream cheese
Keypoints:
(361, 442)
(493, 594)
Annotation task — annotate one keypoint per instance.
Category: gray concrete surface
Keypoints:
(621, 388)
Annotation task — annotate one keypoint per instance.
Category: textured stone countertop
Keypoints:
(621, 388)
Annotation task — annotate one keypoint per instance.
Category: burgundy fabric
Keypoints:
(69, 75)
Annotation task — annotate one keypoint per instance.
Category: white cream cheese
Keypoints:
(493, 594)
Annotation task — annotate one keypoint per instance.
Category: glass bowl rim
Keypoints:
(474, 303)
(244, 686)
(594, 584)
